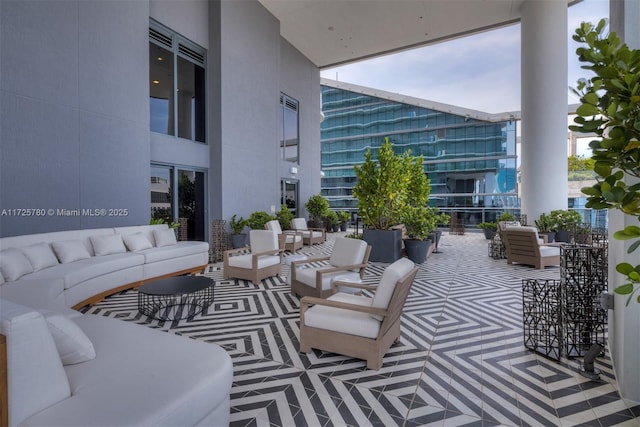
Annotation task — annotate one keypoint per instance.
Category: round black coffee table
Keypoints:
(175, 298)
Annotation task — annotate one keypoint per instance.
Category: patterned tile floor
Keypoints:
(461, 360)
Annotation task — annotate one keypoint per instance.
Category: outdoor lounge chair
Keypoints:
(261, 259)
(289, 240)
(347, 261)
(523, 246)
(310, 236)
(356, 325)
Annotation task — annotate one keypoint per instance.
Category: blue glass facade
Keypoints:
(471, 163)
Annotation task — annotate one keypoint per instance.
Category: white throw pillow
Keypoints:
(40, 256)
(70, 250)
(108, 244)
(165, 237)
(136, 242)
(14, 264)
(72, 343)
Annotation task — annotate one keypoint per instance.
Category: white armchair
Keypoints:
(310, 236)
(263, 260)
(356, 325)
(289, 240)
(348, 260)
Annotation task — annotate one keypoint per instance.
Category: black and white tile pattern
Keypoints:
(461, 360)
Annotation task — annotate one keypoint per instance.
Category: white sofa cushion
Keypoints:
(166, 237)
(299, 224)
(14, 264)
(72, 343)
(347, 251)
(387, 285)
(142, 377)
(274, 225)
(549, 251)
(341, 320)
(136, 242)
(37, 379)
(40, 256)
(180, 249)
(108, 244)
(70, 250)
(83, 270)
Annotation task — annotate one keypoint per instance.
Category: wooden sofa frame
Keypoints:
(523, 247)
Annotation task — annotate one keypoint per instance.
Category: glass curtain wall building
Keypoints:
(469, 156)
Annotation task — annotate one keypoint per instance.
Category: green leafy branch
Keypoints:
(611, 109)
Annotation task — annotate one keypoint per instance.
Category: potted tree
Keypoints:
(238, 238)
(317, 206)
(383, 191)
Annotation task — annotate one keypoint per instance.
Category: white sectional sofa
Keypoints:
(64, 368)
(67, 276)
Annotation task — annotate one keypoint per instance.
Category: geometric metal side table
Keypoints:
(583, 273)
(175, 298)
(542, 317)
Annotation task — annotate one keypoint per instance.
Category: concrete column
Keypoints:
(624, 321)
(544, 107)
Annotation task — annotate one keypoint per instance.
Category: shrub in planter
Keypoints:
(258, 219)
(238, 238)
(343, 219)
(563, 222)
(489, 229)
(385, 187)
(317, 206)
(284, 217)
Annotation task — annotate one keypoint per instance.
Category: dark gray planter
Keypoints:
(343, 226)
(551, 235)
(562, 236)
(417, 249)
(386, 245)
(489, 233)
(238, 240)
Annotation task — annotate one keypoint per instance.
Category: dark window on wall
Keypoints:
(176, 85)
(289, 134)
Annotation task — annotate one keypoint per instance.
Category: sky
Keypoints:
(441, 72)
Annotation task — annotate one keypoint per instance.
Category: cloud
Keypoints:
(481, 72)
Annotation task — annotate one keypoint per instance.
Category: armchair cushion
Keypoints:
(263, 241)
(392, 274)
(299, 224)
(245, 261)
(274, 225)
(347, 251)
(342, 320)
(308, 276)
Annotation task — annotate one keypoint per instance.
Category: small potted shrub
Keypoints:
(343, 219)
(489, 229)
(258, 219)
(330, 219)
(238, 238)
(284, 217)
(317, 206)
(564, 221)
(419, 221)
(545, 226)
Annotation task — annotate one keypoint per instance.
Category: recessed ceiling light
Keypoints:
(160, 58)
(155, 82)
